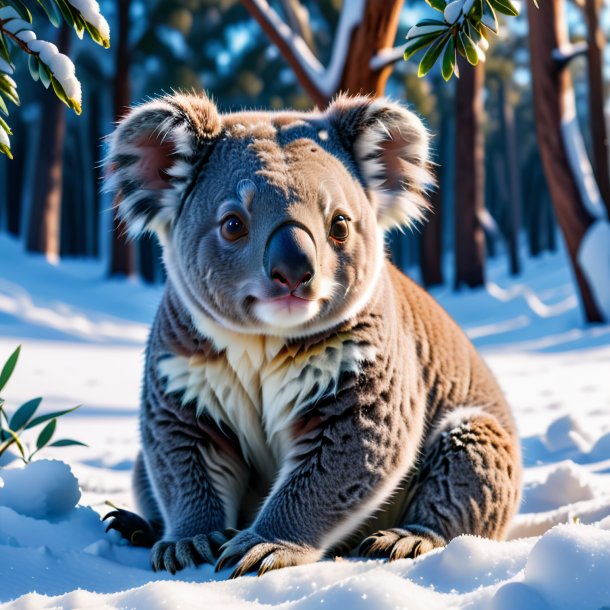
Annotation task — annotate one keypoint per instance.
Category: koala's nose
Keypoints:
(290, 256)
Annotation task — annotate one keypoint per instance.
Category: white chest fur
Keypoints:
(259, 385)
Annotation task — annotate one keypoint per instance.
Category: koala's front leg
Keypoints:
(334, 479)
(194, 475)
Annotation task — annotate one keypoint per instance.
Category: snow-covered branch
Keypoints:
(387, 57)
(320, 82)
(566, 53)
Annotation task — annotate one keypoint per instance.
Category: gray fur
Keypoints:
(309, 427)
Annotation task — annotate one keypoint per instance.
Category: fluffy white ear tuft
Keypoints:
(153, 154)
(390, 146)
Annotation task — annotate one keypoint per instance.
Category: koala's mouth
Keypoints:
(286, 311)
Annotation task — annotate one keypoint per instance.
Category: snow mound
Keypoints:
(566, 483)
(567, 434)
(569, 567)
(45, 489)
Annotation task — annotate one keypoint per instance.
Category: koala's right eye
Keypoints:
(233, 227)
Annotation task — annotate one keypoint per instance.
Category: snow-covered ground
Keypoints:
(83, 341)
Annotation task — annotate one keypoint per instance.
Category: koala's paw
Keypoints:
(399, 543)
(248, 552)
(188, 552)
(132, 527)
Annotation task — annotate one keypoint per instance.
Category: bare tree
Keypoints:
(122, 251)
(469, 177)
(567, 169)
(597, 118)
(43, 229)
(362, 55)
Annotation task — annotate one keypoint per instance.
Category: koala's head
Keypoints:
(271, 223)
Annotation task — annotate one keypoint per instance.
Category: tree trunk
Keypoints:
(122, 250)
(469, 177)
(45, 213)
(376, 31)
(513, 210)
(597, 119)
(431, 243)
(552, 89)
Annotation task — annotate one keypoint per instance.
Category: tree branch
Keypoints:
(293, 48)
(319, 82)
(387, 57)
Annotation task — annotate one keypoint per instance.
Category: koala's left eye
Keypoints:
(233, 227)
(339, 229)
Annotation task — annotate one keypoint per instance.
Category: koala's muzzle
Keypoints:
(290, 257)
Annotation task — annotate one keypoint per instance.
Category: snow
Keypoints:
(594, 259)
(90, 10)
(60, 65)
(83, 340)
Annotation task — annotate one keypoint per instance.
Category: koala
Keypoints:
(301, 396)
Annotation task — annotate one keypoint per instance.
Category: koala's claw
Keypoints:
(399, 543)
(188, 552)
(132, 527)
(249, 552)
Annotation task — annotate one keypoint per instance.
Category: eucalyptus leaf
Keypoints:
(9, 367)
(45, 74)
(431, 55)
(448, 59)
(505, 7)
(23, 414)
(67, 442)
(21, 8)
(470, 50)
(439, 5)
(33, 67)
(417, 44)
(43, 418)
(53, 13)
(5, 150)
(4, 124)
(46, 434)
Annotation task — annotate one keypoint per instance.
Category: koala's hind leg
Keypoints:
(468, 483)
(140, 531)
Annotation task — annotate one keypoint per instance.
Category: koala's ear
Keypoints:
(153, 154)
(390, 147)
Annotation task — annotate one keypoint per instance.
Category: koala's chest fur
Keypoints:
(259, 387)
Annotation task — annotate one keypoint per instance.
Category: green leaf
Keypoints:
(505, 7)
(431, 55)
(23, 414)
(96, 36)
(61, 94)
(4, 125)
(5, 150)
(416, 44)
(4, 52)
(45, 74)
(50, 8)
(425, 22)
(67, 442)
(47, 433)
(470, 51)
(33, 67)
(489, 19)
(21, 8)
(9, 367)
(439, 5)
(43, 418)
(448, 60)
(7, 87)
(476, 12)
(66, 11)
